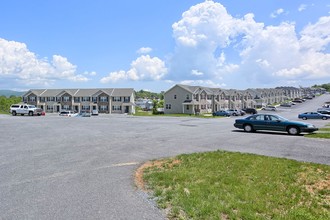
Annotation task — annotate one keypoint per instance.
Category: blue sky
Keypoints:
(153, 45)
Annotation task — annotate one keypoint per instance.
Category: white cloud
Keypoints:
(277, 13)
(210, 40)
(143, 68)
(197, 73)
(144, 50)
(22, 65)
(302, 7)
(316, 36)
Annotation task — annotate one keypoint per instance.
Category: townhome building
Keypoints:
(197, 99)
(107, 100)
(290, 92)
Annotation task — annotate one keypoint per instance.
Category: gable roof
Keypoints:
(80, 92)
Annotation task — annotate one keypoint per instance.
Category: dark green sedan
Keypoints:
(273, 123)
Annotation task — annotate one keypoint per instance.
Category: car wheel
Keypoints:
(14, 113)
(304, 118)
(248, 128)
(324, 118)
(293, 130)
(30, 113)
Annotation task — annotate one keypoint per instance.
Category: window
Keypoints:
(116, 108)
(103, 99)
(66, 98)
(103, 107)
(85, 99)
(116, 99)
(76, 99)
(126, 99)
(187, 97)
(32, 98)
(49, 107)
(85, 107)
(168, 106)
(174, 96)
(187, 107)
(50, 99)
(196, 97)
(203, 106)
(66, 107)
(209, 97)
(94, 99)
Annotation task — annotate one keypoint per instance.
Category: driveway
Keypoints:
(56, 167)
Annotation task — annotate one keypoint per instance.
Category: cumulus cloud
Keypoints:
(316, 36)
(211, 44)
(144, 50)
(277, 13)
(143, 68)
(22, 65)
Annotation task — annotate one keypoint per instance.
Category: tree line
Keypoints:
(325, 86)
(6, 102)
(150, 95)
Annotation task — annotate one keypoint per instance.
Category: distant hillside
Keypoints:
(9, 93)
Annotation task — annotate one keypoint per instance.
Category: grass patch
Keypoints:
(321, 133)
(225, 185)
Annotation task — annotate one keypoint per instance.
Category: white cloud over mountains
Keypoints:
(18, 64)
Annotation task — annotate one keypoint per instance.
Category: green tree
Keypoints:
(5, 103)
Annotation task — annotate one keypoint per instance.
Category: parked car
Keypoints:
(273, 123)
(95, 112)
(325, 112)
(221, 113)
(286, 104)
(25, 109)
(269, 108)
(68, 113)
(235, 112)
(298, 100)
(84, 113)
(250, 110)
(313, 115)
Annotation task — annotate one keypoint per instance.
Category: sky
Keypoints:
(153, 45)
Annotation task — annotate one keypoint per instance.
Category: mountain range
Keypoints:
(9, 93)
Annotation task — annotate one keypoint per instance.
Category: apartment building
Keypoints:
(108, 100)
(197, 99)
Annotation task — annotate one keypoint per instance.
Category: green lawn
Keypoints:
(224, 185)
(321, 133)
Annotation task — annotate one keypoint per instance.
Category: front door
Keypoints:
(126, 109)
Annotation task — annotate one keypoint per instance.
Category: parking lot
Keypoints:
(54, 167)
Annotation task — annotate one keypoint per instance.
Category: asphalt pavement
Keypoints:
(54, 167)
